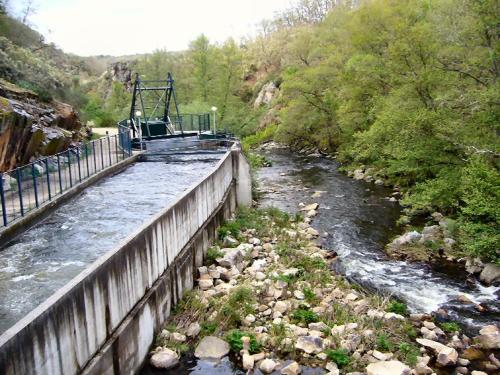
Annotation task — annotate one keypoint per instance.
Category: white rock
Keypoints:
(193, 329)
(291, 369)
(205, 284)
(309, 344)
(387, 368)
(248, 361)
(447, 356)
(211, 347)
(319, 326)
(490, 274)
(164, 359)
(178, 337)
(298, 294)
(280, 306)
(267, 366)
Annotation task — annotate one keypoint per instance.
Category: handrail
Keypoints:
(26, 188)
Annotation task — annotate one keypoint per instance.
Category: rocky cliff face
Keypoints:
(30, 128)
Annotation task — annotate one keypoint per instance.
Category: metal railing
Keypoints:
(26, 188)
(191, 122)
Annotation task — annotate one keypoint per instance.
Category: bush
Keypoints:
(397, 308)
(212, 254)
(339, 356)
(383, 342)
(234, 339)
(450, 327)
(304, 316)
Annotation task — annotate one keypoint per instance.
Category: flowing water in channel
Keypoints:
(47, 256)
(360, 220)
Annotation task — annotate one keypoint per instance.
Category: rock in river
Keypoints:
(164, 358)
(211, 347)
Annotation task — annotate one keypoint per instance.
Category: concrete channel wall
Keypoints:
(105, 319)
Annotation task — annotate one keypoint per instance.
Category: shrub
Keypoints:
(409, 353)
(450, 327)
(383, 342)
(212, 254)
(234, 339)
(339, 356)
(397, 308)
(304, 316)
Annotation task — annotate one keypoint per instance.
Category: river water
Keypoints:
(360, 220)
(51, 253)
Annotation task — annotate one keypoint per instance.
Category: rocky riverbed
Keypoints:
(268, 301)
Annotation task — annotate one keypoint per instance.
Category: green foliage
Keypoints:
(397, 307)
(310, 296)
(234, 339)
(212, 254)
(450, 327)
(208, 328)
(239, 304)
(339, 356)
(383, 342)
(409, 353)
(304, 316)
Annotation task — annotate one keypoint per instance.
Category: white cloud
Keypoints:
(118, 27)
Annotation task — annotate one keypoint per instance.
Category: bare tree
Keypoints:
(28, 10)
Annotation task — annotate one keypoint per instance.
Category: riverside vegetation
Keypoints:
(268, 298)
(404, 90)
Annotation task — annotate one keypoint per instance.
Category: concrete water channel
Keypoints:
(103, 269)
(51, 253)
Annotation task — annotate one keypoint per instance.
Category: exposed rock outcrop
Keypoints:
(31, 128)
(266, 95)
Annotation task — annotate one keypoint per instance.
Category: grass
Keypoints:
(239, 304)
(450, 327)
(304, 316)
(397, 308)
(310, 296)
(212, 254)
(409, 353)
(383, 342)
(339, 356)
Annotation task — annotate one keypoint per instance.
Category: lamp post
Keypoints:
(214, 110)
(138, 114)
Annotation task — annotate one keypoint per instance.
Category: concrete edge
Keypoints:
(144, 300)
(93, 267)
(20, 225)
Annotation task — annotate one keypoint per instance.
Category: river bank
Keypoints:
(269, 298)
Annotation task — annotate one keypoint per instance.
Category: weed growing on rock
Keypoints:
(234, 340)
(397, 307)
(339, 356)
(304, 316)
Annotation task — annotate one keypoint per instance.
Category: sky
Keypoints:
(123, 27)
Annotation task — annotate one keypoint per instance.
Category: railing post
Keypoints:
(109, 151)
(35, 187)
(87, 159)
(2, 201)
(59, 173)
(116, 147)
(95, 157)
(102, 153)
(78, 161)
(20, 191)
(69, 169)
(48, 177)
(129, 144)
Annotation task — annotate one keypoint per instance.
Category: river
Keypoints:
(360, 220)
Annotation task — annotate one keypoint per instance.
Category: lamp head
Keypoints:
(214, 108)
(138, 113)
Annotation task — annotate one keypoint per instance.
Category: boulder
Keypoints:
(490, 274)
(473, 265)
(164, 359)
(211, 347)
(405, 239)
(309, 344)
(193, 329)
(248, 361)
(230, 241)
(431, 233)
(231, 258)
(267, 366)
(447, 357)
(387, 368)
(434, 345)
(178, 337)
(489, 337)
(291, 369)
